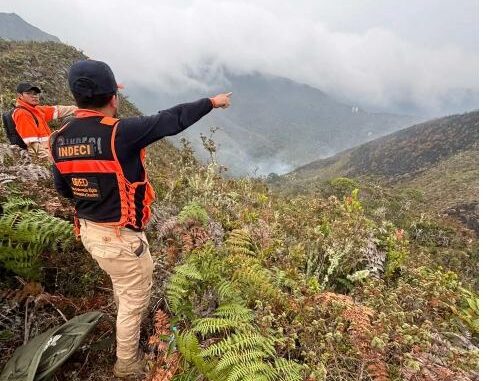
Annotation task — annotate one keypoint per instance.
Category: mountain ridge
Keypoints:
(14, 28)
(274, 125)
(438, 157)
(277, 124)
(364, 153)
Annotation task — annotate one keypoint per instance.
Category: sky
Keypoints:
(383, 55)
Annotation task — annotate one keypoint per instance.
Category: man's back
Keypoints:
(131, 136)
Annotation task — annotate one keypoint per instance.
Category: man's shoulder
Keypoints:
(129, 126)
(129, 120)
(133, 123)
(20, 111)
(44, 108)
(135, 132)
(23, 112)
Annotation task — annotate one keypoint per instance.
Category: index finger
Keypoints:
(229, 94)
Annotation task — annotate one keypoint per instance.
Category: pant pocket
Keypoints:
(141, 248)
(99, 242)
(135, 244)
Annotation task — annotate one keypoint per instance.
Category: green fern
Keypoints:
(179, 286)
(188, 270)
(243, 353)
(254, 377)
(252, 370)
(209, 263)
(226, 317)
(212, 325)
(239, 242)
(194, 211)
(288, 370)
(238, 350)
(25, 233)
(17, 203)
(236, 358)
(226, 292)
(189, 348)
(246, 355)
(257, 280)
(241, 341)
(234, 311)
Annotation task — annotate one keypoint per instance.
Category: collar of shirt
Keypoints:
(20, 102)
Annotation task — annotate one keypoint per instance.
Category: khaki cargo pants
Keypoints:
(126, 259)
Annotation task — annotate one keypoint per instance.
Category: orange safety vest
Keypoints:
(26, 126)
(84, 153)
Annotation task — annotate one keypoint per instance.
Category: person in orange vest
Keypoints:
(31, 118)
(99, 162)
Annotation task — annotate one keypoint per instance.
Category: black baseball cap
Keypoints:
(89, 77)
(22, 87)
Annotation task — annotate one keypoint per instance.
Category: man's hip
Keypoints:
(122, 253)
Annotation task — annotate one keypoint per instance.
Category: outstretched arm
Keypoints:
(65, 110)
(56, 112)
(139, 132)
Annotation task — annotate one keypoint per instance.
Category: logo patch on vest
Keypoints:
(76, 151)
(85, 188)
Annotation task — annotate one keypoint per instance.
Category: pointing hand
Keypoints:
(221, 100)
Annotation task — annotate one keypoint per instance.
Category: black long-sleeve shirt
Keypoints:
(136, 133)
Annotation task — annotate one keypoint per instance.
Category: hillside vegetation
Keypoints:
(250, 285)
(44, 64)
(438, 158)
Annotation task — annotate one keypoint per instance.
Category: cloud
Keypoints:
(162, 45)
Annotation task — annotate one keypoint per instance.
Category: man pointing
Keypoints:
(99, 162)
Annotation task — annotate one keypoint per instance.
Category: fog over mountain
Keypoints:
(406, 56)
(308, 81)
(275, 124)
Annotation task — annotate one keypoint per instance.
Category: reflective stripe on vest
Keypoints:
(69, 167)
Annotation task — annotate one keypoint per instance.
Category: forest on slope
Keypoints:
(248, 284)
(438, 159)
